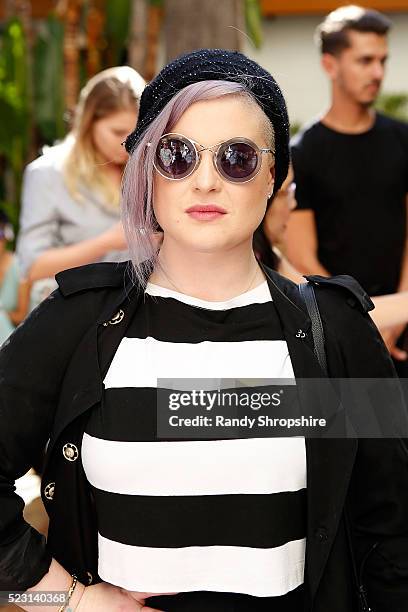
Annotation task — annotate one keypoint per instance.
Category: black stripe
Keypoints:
(129, 414)
(207, 601)
(172, 321)
(259, 521)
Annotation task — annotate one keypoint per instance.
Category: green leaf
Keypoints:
(253, 19)
(394, 104)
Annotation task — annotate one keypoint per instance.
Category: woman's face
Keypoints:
(277, 216)
(242, 204)
(110, 131)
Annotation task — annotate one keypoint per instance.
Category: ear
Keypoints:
(271, 179)
(330, 65)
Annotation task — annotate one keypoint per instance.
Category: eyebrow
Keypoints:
(368, 56)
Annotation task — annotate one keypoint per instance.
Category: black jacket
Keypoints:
(51, 373)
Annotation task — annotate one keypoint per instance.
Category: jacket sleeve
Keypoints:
(378, 494)
(32, 364)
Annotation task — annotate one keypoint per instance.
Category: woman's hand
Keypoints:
(104, 596)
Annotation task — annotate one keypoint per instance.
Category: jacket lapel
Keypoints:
(83, 384)
(329, 460)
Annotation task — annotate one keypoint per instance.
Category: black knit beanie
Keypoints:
(218, 65)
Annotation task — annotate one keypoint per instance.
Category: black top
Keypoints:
(227, 517)
(356, 184)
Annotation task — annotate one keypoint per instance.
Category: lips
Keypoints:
(206, 208)
(206, 212)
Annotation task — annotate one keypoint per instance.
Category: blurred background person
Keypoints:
(70, 202)
(351, 168)
(14, 294)
(390, 310)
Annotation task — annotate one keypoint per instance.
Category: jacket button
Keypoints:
(117, 318)
(70, 452)
(89, 577)
(321, 534)
(49, 490)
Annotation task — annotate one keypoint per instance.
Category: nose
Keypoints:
(378, 71)
(206, 177)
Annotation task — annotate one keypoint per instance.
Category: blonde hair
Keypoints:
(109, 91)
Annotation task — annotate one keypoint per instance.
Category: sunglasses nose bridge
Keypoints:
(214, 149)
(203, 177)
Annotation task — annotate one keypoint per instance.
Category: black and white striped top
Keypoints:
(224, 516)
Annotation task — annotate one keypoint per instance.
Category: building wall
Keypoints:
(289, 53)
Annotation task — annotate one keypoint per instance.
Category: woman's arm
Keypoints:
(32, 365)
(23, 301)
(38, 247)
(57, 259)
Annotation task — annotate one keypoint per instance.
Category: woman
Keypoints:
(150, 522)
(270, 243)
(70, 209)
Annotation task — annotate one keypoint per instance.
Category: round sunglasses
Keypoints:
(237, 160)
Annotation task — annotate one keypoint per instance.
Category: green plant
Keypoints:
(48, 74)
(15, 113)
(394, 104)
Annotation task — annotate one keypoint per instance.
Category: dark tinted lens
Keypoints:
(238, 160)
(174, 157)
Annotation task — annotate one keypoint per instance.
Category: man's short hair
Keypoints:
(332, 34)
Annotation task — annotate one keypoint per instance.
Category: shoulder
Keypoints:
(400, 128)
(341, 288)
(351, 335)
(94, 276)
(306, 136)
(51, 161)
(83, 297)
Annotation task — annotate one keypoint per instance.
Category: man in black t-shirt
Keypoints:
(351, 168)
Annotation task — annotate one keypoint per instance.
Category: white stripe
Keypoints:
(213, 467)
(258, 295)
(139, 362)
(255, 571)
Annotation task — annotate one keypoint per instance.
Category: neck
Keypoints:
(346, 115)
(213, 277)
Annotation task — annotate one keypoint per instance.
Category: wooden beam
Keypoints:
(39, 8)
(303, 7)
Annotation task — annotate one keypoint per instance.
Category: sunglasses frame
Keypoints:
(220, 147)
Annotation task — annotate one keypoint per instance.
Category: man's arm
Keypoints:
(301, 245)
(392, 334)
(403, 282)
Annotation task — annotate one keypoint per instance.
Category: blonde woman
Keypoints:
(70, 206)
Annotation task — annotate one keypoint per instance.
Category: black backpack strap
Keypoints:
(306, 291)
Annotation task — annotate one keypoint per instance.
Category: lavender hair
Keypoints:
(138, 217)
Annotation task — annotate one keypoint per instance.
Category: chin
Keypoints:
(368, 102)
